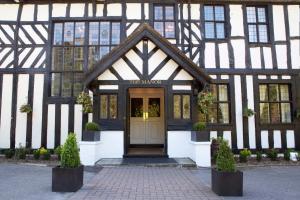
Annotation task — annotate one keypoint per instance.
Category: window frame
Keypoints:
(181, 106)
(215, 22)
(164, 20)
(257, 23)
(280, 101)
(108, 106)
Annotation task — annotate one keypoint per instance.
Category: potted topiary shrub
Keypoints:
(91, 132)
(199, 134)
(68, 177)
(225, 179)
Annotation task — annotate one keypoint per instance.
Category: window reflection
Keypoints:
(164, 21)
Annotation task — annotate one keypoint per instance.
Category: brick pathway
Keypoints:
(144, 183)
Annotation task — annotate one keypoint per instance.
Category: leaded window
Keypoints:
(257, 24)
(164, 20)
(181, 106)
(275, 103)
(214, 17)
(108, 106)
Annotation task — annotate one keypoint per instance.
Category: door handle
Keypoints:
(146, 115)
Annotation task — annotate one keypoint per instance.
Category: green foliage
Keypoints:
(70, 154)
(9, 153)
(286, 154)
(244, 155)
(85, 100)
(199, 126)
(20, 152)
(92, 126)
(36, 154)
(26, 108)
(225, 160)
(258, 156)
(205, 100)
(57, 151)
(272, 154)
(46, 155)
(248, 112)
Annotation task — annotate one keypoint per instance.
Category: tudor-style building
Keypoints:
(144, 62)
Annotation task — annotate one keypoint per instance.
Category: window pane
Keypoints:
(79, 33)
(209, 30)
(223, 93)
(57, 40)
(78, 86)
(286, 113)
(284, 93)
(69, 33)
(78, 58)
(186, 107)
(68, 58)
(154, 107)
(66, 85)
(136, 107)
(57, 58)
(104, 32)
(220, 30)
(93, 33)
(113, 107)
(115, 35)
(213, 90)
(263, 33)
(263, 93)
(223, 113)
(158, 12)
(252, 33)
(170, 29)
(251, 14)
(177, 106)
(103, 51)
(94, 56)
(275, 112)
(169, 12)
(103, 107)
(208, 13)
(55, 84)
(159, 27)
(212, 113)
(264, 112)
(219, 13)
(273, 92)
(261, 14)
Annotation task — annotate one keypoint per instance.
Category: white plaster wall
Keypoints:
(27, 12)
(227, 136)
(77, 10)
(135, 60)
(255, 57)
(132, 28)
(112, 144)
(9, 12)
(37, 110)
(90, 10)
(223, 54)
(183, 75)
(213, 135)
(196, 29)
(239, 53)
(195, 11)
(251, 120)
(43, 13)
(277, 139)
(185, 12)
(124, 70)
(181, 87)
(295, 54)
(294, 20)
(78, 121)
(51, 126)
(64, 123)
(178, 144)
(155, 59)
(99, 10)
(268, 57)
(290, 139)
(167, 70)
(146, 10)
(21, 118)
(108, 87)
(281, 53)
(114, 9)
(279, 26)
(6, 104)
(236, 20)
(133, 11)
(9, 59)
(107, 75)
(209, 54)
(238, 112)
(59, 10)
(264, 139)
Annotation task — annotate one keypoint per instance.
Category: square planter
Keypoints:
(200, 136)
(67, 179)
(91, 136)
(227, 183)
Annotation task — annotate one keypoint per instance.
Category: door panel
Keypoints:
(137, 124)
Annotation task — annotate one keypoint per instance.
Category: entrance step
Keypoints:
(147, 162)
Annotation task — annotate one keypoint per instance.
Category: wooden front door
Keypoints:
(146, 116)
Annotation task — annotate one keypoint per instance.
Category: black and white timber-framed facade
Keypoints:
(248, 51)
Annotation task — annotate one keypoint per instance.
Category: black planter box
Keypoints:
(200, 136)
(67, 179)
(91, 136)
(227, 183)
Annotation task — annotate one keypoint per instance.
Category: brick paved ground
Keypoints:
(144, 183)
